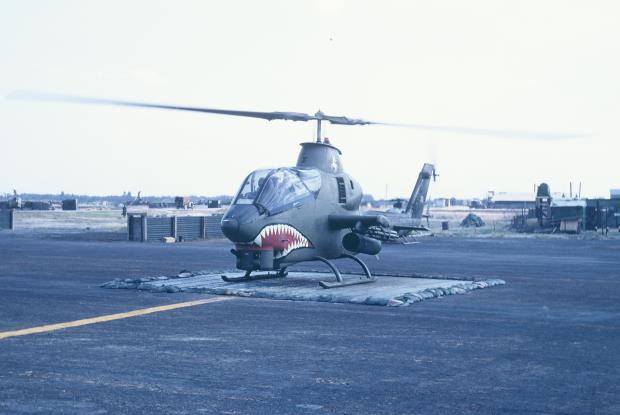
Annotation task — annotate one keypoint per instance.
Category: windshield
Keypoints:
(280, 189)
(250, 187)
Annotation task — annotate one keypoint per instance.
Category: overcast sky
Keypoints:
(551, 66)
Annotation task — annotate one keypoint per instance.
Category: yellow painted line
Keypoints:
(110, 317)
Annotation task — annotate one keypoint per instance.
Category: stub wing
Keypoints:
(357, 222)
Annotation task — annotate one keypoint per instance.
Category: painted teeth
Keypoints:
(258, 240)
(295, 238)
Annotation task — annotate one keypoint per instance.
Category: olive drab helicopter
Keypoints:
(287, 215)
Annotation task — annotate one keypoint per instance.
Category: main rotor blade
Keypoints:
(295, 116)
(275, 115)
(342, 120)
(532, 135)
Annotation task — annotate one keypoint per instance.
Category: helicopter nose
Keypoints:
(230, 228)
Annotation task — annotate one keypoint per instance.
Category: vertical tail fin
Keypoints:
(415, 207)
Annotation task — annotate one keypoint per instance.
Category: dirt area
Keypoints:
(69, 221)
(497, 225)
(497, 219)
(110, 225)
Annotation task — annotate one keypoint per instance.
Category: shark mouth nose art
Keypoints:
(280, 237)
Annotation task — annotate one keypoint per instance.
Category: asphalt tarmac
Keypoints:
(546, 342)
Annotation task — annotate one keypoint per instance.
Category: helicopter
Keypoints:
(287, 215)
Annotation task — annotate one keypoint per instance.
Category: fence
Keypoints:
(602, 214)
(143, 228)
(7, 217)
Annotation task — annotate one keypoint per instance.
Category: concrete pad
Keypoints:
(304, 286)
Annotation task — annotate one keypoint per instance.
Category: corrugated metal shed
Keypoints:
(70, 204)
(6, 219)
(134, 228)
(570, 214)
(182, 228)
(157, 228)
(214, 226)
(189, 227)
(603, 213)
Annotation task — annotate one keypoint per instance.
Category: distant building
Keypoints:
(505, 200)
(37, 205)
(439, 202)
(214, 204)
(603, 213)
(569, 214)
(477, 204)
(183, 202)
(70, 204)
(459, 202)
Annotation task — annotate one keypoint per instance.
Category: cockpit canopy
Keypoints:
(278, 190)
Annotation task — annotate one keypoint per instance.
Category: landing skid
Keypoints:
(328, 284)
(247, 277)
(339, 280)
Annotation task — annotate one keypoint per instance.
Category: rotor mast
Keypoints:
(319, 117)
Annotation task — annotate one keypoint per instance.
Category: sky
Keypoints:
(549, 66)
